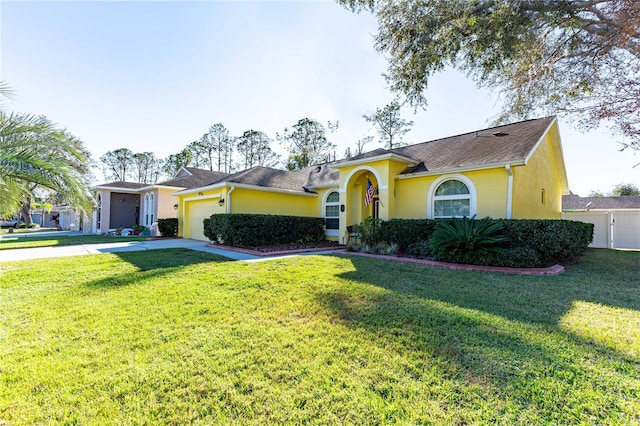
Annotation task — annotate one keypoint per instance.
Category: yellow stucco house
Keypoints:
(511, 171)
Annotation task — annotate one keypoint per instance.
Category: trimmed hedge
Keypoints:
(168, 227)
(245, 230)
(531, 242)
(406, 232)
(554, 241)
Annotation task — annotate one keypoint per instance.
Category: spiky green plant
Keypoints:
(459, 238)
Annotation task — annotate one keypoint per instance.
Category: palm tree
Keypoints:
(33, 152)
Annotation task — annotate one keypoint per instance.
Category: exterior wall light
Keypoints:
(221, 202)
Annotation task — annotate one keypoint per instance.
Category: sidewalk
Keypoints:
(122, 246)
(78, 250)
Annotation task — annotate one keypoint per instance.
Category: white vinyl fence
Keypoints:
(619, 229)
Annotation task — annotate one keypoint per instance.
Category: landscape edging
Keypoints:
(549, 271)
(273, 253)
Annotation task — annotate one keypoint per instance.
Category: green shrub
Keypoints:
(242, 230)
(139, 228)
(420, 249)
(467, 240)
(554, 241)
(370, 230)
(406, 232)
(207, 229)
(517, 257)
(530, 242)
(168, 227)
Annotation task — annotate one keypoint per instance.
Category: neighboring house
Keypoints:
(124, 204)
(616, 220)
(511, 171)
(64, 217)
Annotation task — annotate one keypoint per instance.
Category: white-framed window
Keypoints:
(332, 213)
(146, 209)
(149, 208)
(152, 208)
(452, 196)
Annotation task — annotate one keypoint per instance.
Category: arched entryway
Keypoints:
(362, 198)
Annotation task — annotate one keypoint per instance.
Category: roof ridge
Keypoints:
(477, 131)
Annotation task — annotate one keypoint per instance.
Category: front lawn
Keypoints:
(32, 241)
(184, 337)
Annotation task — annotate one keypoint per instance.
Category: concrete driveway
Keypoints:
(82, 249)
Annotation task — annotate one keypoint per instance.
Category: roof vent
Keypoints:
(500, 133)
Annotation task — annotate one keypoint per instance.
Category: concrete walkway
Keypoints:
(122, 246)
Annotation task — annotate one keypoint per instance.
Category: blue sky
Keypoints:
(153, 76)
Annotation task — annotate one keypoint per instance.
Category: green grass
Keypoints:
(183, 337)
(7, 243)
(35, 230)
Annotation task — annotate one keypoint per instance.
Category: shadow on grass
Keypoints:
(600, 276)
(501, 332)
(155, 263)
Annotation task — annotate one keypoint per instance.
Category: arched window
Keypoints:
(452, 198)
(332, 213)
(146, 209)
(152, 208)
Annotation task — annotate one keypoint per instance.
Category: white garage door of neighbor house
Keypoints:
(198, 210)
(626, 230)
(600, 221)
(612, 229)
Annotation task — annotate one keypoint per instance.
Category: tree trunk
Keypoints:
(25, 212)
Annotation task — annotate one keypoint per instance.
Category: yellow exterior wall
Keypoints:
(245, 200)
(353, 183)
(541, 172)
(412, 195)
(491, 187)
(194, 208)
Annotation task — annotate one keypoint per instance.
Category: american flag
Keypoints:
(368, 196)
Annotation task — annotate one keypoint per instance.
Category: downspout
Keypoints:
(229, 199)
(509, 189)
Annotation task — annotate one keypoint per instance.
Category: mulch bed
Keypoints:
(284, 249)
(294, 246)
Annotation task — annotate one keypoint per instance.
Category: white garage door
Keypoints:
(626, 230)
(600, 221)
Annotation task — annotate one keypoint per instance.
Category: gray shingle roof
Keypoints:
(495, 145)
(124, 185)
(300, 180)
(197, 178)
(575, 202)
(321, 176)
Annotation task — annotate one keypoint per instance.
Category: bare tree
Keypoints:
(118, 164)
(391, 126)
(254, 148)
(307, 143)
